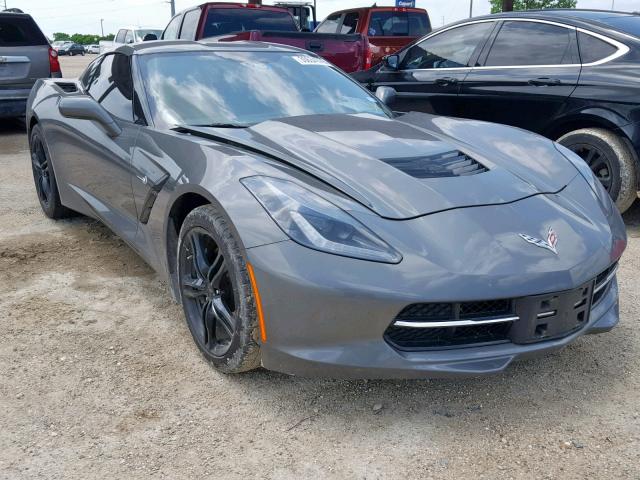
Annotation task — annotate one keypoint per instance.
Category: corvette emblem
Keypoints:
(550, 244)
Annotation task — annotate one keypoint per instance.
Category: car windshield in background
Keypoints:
(221, 21)
(17, 31)
(245, 88)
(399, 24)
(142, 32)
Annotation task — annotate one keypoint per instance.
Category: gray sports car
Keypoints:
(306, 228)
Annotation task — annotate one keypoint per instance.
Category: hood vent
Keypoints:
(68, 87)
(447, 164)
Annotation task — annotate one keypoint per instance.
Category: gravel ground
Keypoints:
(100, 378)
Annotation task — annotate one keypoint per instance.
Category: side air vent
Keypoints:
(68, 87)
(447, 164)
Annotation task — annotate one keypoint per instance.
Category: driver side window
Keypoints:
(110, 83)
(451, 49)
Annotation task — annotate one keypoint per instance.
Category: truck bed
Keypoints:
(344, 51)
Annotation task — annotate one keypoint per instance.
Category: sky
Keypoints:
(83, 16)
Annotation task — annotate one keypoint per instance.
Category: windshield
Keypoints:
(221, 21)
(140, 33)
(245, 88)
(399, 24)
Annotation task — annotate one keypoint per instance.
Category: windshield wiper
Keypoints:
(221, 125)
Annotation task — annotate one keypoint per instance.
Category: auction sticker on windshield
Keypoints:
(309, 60)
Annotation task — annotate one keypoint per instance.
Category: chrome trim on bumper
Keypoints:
(606, 281)
(456, 323)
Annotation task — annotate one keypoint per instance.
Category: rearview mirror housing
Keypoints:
(392, 62)
(86, 108)
(386, 95)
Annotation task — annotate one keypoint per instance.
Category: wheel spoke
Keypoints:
(217, 271)
(224, 318)
(209, 323)
(194, 287)
(198, 257)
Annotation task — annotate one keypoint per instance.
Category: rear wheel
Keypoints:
(216, 293)
(610, 160)
(44, 177)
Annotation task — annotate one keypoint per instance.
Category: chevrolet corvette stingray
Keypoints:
(306, 228)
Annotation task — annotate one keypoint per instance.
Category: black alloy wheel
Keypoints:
(41, 172)
(207, 292)
(598, 161)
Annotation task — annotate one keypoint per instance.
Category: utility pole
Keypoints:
(471, 9)
(173, 7)
(507, 5)
(5, 4)
(102, 26)
(613, 4)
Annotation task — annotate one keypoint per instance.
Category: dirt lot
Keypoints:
(100, 379)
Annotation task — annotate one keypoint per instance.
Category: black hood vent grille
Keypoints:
(68, 87)
(447, 164)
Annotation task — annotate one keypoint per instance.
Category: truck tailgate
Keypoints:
(381, 46)
(344, 51)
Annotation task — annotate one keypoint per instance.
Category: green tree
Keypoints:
(496, 5)
(59, 36)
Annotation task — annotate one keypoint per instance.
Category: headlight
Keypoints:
(314, 222)
(585, 171)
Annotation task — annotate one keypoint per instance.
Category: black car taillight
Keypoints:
(54, 64)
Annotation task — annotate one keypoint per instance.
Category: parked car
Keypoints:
(231, 22)
(92, 49)
(571, 75)
(306, 228)
(25, 56)
(304, 13)
(387, 29)
(71, 49)
(130, 35)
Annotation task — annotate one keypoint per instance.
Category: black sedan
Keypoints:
(71, 49)
(571, 75)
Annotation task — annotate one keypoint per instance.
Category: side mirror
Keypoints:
(149, 37)
(392, 62)
(86, 108)
(386, 95)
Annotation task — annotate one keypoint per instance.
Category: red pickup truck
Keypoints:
(228, 22)
(387, 29)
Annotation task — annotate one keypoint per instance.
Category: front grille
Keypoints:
(489, 308)
(537, 318)
(68, 87)
(447, 164)
(431, 338)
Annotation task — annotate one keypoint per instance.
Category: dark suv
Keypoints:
(571, 75)
(25, 56)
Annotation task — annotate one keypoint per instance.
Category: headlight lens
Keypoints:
(317, 223)
(592, 180)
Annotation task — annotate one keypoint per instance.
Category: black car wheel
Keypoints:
(216, 292)
(44, 177)
(610, 160)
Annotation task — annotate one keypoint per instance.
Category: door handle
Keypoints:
(315, 46)
(545, 82)
(445, 81)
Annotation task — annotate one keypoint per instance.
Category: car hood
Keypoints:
(398, 167)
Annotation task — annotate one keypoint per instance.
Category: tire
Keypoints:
(44, 177)
(71, 54)
(610, 159)
(216, 293)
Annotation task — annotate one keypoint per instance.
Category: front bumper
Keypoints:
(328, 316)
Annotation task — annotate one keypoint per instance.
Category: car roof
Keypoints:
(592, 19)
(166, 46)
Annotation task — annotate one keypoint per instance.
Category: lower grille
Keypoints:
(432, 338)
(426, 326)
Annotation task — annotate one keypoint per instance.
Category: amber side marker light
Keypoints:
(256, 294)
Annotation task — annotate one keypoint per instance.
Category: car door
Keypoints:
(97, 167)
(431, 71)
(527, 72)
